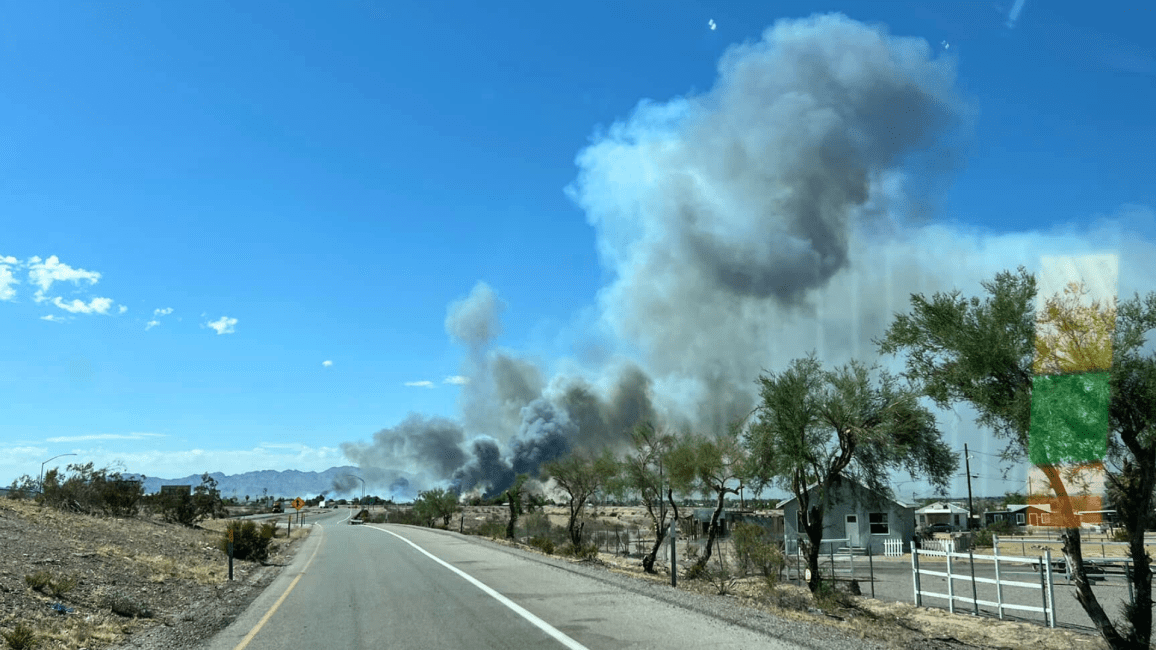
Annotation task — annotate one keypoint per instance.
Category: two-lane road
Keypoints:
(385, 586)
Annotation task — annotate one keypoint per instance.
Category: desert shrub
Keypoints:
(582, 551)
(829, 598)
(757, 552)
(125, 605)
(91, 491)
(492, 527)
(249, 542)
(46, 583)
(38, 581)
(720, 574)
(537, 524)
(191, 509)
(544, 544)
(62, 585)
(21, 637)
(1121, 534)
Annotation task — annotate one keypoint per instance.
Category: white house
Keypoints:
(942, 512)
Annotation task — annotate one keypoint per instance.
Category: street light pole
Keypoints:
(42, 469)
(362, 487)
(967, 468)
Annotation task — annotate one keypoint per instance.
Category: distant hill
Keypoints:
(289, 483)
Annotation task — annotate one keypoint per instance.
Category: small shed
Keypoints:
(856, 514)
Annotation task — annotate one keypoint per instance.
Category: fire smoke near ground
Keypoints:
(742, 227)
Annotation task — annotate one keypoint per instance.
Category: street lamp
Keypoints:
(42, 469)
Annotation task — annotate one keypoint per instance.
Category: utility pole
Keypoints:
(967, 467)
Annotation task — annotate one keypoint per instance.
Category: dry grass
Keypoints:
(163, 569)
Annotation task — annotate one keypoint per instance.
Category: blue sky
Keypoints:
(309, 188)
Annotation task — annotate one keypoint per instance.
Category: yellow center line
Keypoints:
(269, 614)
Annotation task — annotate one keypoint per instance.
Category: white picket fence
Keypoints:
(893, 547)
(939, 545)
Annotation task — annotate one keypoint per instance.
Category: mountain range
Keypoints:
(289, 483)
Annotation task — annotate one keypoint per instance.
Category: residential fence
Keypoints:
(1046, 584)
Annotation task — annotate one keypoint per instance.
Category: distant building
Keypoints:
(176, 490)
(856, 514)
(942, 512)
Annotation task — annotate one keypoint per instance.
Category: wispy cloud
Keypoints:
(327, 363)
(106, 436)
(121, 309)
(7, 278)
(710, 23)
(420, 384)
(157, 313)
(1014, 15)
(95, 306)
(223, 325)
(54, 318)
(43, 273)
(457, 380)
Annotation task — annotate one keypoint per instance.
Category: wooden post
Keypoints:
(673, 557)
(871, 566)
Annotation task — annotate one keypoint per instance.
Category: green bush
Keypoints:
(492, 527)
(21, 637)
(1121, 534)
(757, 552)
(582, 552)
(249, 543)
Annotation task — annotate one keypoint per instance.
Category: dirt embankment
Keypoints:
(78, 581)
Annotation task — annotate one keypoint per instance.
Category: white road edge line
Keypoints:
(518, 609)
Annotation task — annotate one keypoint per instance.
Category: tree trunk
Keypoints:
(659, 535)
(700, 566)
(1074, 553)
(815, 538)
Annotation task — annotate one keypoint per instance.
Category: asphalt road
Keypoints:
(388, 586)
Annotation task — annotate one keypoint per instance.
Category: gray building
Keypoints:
(856, 514)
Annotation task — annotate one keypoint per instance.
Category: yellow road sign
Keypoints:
(298, 503)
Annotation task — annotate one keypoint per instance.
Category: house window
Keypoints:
(1020, 518)
(879, 525)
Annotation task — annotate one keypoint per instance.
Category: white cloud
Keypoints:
(420, 384)
(96, 305)
(710, 23)
(44, 273)
(54, 318)
(223, 325)
(122, 309)
(7, 279)
(1014, 15)
(106, 436)
(157, 313)
(456, 380)
(327, 363)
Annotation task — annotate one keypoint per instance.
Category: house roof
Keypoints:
(901, 504)
(940, 507)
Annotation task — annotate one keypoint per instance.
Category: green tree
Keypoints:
(984, 353)
(642, 473)
(580, 476)
(435, 504)
(520, 499)
(814, 428)
(192, 509)
(713, 466)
